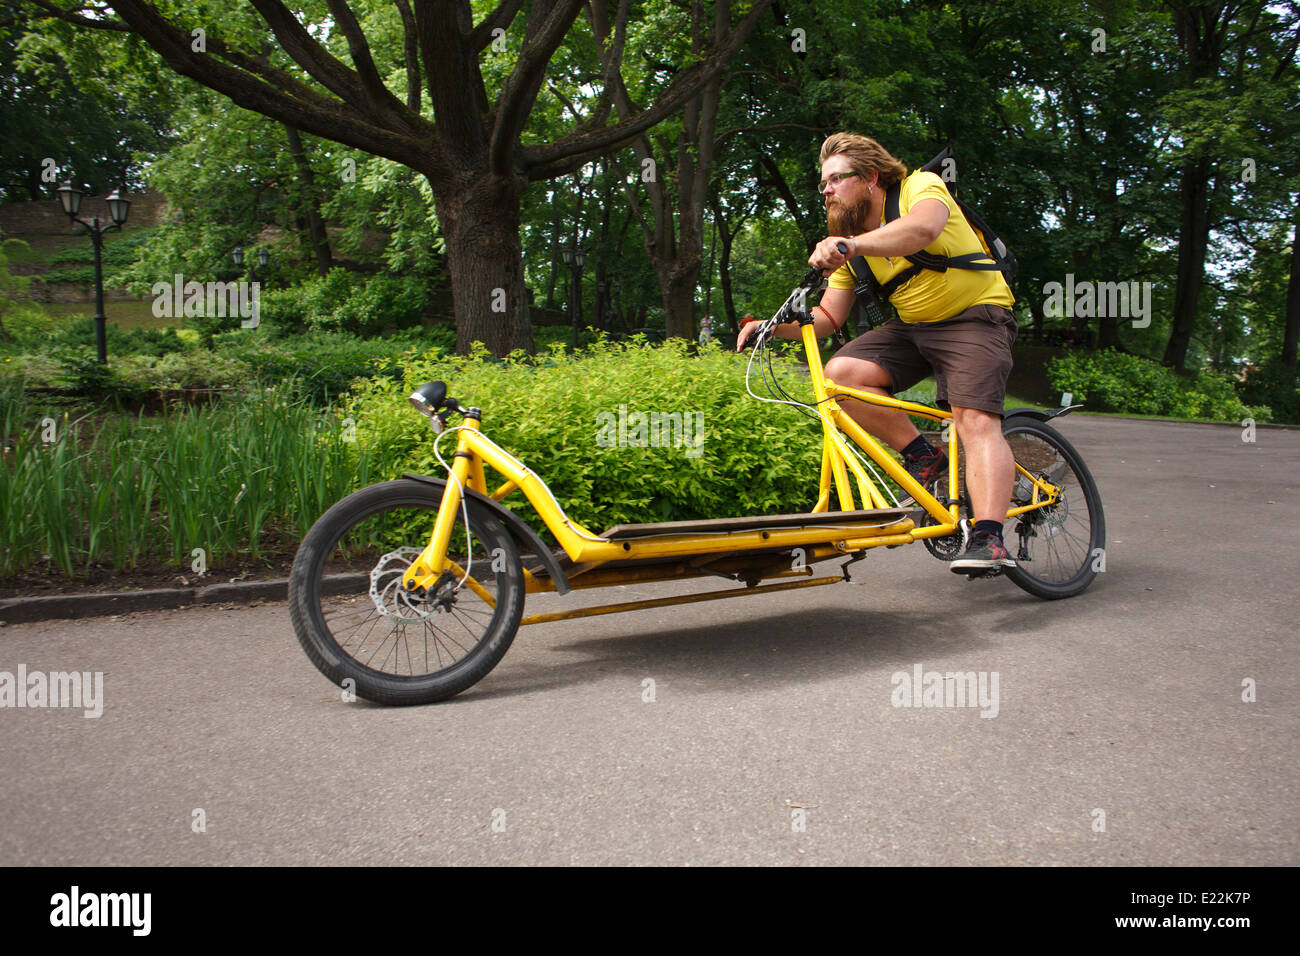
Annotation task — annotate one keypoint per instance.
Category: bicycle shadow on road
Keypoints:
(759, 653)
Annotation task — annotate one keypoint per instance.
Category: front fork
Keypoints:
(426, 570)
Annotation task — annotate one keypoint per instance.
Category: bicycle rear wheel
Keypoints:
(399, 647)
(1060, 548)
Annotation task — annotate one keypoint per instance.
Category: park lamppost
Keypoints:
(118, 207)
(574, 259)
(262, 260)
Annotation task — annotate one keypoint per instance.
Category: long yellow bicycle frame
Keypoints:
(474, 450)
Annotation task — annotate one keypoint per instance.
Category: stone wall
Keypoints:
(46, 218)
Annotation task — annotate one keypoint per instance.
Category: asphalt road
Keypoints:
(1121, 736)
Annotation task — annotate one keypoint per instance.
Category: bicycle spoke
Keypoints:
(1058, 540)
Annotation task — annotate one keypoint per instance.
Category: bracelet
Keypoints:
(828, 318)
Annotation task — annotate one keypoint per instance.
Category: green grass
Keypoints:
(234, 480)
(41, 250)
(129, 314)
(1168, 418)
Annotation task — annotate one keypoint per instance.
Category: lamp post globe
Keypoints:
(70, 197)
(118, 207)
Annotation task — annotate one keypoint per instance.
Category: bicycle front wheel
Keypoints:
(356, 622)
(1059, 548)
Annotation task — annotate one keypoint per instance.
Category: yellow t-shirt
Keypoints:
(931, 296)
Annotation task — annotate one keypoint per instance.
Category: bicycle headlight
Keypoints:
(428, 398)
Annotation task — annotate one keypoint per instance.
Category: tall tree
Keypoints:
(1215, 40)
(675, 165)
(472, 151)
(55, 129)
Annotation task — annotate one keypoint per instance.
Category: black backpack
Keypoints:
(871, 294)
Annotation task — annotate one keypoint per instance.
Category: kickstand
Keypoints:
(844, 568)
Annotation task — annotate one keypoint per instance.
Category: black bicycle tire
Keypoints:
(329, 657)
(1021, 575)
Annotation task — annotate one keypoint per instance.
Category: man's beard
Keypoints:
(842, 220)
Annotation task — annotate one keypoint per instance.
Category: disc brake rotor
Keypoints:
(387, 593)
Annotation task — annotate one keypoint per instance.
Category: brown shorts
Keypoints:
(968, 354)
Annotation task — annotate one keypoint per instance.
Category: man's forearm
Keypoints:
(902, 237)
(823, 325)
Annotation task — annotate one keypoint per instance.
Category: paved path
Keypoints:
(1126, 700)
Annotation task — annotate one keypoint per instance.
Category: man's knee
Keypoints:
(976, 423)
(857, 373)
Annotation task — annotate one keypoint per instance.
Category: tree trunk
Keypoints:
(1292, 333)
(555, 258)
(1036, 320)
(678, 277)
(480, 223)
(1193, 240)
(724, 265)
(679, 301)
(308, 203)
(677, 258)
(793, 206)
(1108, 332)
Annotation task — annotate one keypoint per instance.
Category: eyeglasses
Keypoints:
(834, 179)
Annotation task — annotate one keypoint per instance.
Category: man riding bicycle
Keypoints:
(956, 325)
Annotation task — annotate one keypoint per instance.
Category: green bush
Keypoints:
(1113, 381)
(79, 334)
(197, 368)
(1276, 386)
(29, 326)
(76, 263)
(83, 375)
(83, 275)
(40, 369)
(322, 366)
(346, 301)
(316, 367)
(118, 251)
(559, 414)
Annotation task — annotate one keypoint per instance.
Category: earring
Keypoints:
(869, 192)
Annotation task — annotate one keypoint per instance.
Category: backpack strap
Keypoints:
(871, 292)
(978, 261)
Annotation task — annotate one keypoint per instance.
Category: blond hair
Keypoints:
(865, 155)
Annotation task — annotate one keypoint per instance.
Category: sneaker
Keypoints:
(927, 471)
(986, 554)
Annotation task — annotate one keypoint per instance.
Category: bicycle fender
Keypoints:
(1039, 414)
(525, 535)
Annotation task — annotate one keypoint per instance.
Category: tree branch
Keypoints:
(301, 46)
(500, 18)
(308, 111)
(572, 151)
(520, 89)
(71, 16)
(378, 97)
(411, 53)
(448, 61)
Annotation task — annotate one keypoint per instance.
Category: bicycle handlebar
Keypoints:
(812, 281)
